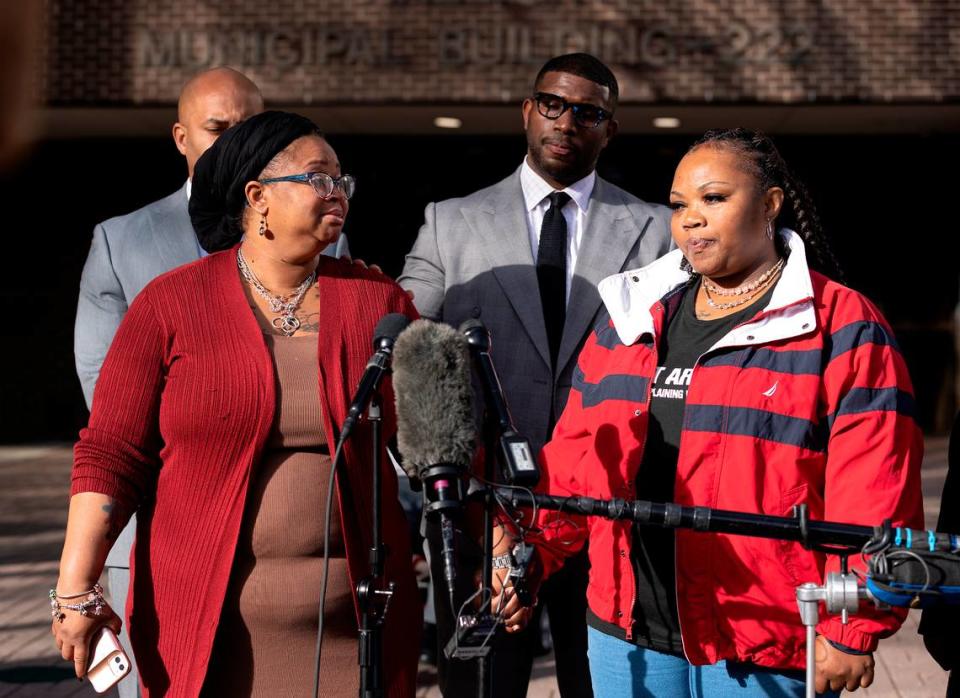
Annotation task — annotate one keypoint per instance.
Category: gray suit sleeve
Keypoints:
(340, 248)
(343, 246)
(100, 309)
(423, 271)
(662, 217)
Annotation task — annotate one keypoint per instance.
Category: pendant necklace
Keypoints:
(284, 306)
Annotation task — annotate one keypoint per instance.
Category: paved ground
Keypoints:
(33, 506)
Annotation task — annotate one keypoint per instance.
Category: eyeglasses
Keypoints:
(321, 182)
(586, 115)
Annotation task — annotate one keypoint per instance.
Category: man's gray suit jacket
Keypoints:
(472, 259)
(126, 254)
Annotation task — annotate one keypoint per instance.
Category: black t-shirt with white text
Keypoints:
(656, 624)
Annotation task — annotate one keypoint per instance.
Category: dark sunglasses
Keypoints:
(586, 115)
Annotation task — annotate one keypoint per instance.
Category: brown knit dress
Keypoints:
(267, 634)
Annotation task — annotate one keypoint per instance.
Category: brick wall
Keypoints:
(122, 52)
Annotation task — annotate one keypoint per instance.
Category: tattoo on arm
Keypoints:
(114, 520)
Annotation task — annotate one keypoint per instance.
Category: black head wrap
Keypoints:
(238, 156)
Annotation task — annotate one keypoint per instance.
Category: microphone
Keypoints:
(384, 335)
(518, 464)
(435, 427)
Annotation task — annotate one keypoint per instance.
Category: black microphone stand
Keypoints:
(829, 537)
(471, 633)
(490, 432)
(373, 598)
(825, 536)
(841, 591)
(497, 427)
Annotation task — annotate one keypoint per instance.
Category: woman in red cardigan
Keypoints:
(215, 418)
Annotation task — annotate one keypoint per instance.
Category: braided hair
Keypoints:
(762, 159)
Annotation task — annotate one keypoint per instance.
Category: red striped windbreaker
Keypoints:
(809, 402)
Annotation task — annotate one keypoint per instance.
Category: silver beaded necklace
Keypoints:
(284, 306)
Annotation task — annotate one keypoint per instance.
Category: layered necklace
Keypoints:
(284, 306)
(747, 291)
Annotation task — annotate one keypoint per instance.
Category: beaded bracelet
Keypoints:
(83, 608)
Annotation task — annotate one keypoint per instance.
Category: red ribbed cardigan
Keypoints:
(182, 409)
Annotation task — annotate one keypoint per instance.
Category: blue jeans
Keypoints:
(620, 669)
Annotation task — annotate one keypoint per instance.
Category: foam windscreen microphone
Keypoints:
(435, 426)
(431, 382)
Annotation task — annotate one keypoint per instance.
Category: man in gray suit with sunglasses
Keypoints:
(129, 251)
(524, 256)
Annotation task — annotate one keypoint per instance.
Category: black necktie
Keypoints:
(552, 271)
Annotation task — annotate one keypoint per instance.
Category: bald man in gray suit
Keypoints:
(524, 256)
(129, 251)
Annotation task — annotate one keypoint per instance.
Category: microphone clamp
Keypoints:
(442, 488)
(522, 555)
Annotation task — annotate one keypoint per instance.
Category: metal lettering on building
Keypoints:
(281, 48)
(653, 46)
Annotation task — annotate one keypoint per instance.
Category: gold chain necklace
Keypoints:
(746, 288)
(749, 291)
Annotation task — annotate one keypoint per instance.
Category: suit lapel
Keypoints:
(173, 234)
(499, 224)
(611, 234)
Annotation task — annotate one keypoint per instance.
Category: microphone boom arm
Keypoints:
(825, 536)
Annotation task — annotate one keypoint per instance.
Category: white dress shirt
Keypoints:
(535, 193)
(203, 252)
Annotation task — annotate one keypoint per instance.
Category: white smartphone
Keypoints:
(108, 662)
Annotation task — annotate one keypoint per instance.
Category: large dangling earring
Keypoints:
(770, 229)
(263, 225)
(685, 265)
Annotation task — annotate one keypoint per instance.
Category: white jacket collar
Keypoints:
(629, 297)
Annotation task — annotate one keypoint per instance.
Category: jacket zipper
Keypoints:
(696, 365)
(676, 594)
(633, 526)
(643, 446)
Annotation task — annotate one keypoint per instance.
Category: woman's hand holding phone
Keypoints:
(108, 662)
(74, 633)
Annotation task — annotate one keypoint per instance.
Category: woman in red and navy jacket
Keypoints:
(728, 374)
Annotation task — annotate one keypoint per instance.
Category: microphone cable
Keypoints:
(326, 564)
(533, 530)
(384, 336)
